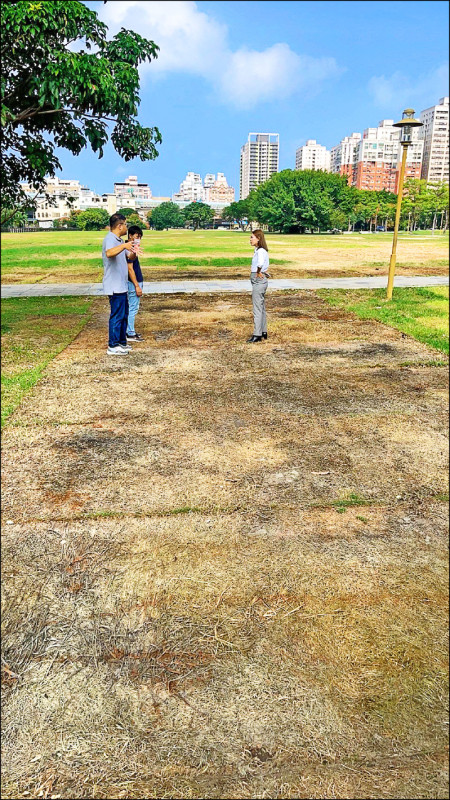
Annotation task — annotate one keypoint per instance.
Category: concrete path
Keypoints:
(187, 287)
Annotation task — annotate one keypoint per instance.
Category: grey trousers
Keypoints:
(259, 288)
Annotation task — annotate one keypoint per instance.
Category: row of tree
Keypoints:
(291, 202)
(167, 215)
(298, 201)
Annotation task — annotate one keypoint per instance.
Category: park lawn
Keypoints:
(225, 567)
(421, 313)
(75, 257)
(34, 331)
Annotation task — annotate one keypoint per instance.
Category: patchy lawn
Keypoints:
(225, 566)
(75, 257)
(35, 330)
(421, 313)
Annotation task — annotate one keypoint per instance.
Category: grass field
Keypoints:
(225, 569)
(421, 313)
(34, 331)
(75, 257)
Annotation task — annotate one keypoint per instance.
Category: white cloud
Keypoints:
(400, 90)
(251, 77)
(193, 42)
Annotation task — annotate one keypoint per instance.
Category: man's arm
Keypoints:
(114, 251)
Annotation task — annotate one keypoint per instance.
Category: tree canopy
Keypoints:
(56, 96)
(93, 219)
(134, 219)
(294, 201)
(238, 211)
(166, 215)
(199, 214)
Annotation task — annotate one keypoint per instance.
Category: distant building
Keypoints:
(342, 156)
(434, 134)
(66, 196)
(214, 191)
(191, 189)
(377, 158)
(312, 156)
(218, 191)
(131, 188)
(259, 160)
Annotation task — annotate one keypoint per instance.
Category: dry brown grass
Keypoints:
(189, 611)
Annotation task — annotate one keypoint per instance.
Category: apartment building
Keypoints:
(218, 191)
(191, 189)
(259, 160)
(434, 134)
(377, 158)
(66, 196)
(312, 156)
(342, 156)
(131, 188)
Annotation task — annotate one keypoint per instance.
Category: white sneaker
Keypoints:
(117, 351)
(126, 347)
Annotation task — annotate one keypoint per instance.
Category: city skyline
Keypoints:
(225, 70)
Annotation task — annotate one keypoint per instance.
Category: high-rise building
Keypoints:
(131, 188)
(343, 155)
(434, 134)
(377, 158)
(312, 156)
(259, 160)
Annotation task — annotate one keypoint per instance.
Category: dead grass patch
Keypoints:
(238, 583)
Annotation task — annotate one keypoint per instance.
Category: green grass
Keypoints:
(34, 330)
(75, 256)
(420, 313)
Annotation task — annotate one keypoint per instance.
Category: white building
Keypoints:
(342, 155)
(259, 160)
(434, 134)
(313, 156)
(191, 189)
(67, 196)
(131, 188)
(209, 180)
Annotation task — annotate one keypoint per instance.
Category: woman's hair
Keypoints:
(261, 239)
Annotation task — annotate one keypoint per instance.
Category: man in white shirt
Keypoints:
(115, 284)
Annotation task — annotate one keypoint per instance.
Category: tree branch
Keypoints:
(34, 112)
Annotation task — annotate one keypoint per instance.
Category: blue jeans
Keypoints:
(133, 302)
(118, 319)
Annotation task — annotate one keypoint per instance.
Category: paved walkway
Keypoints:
(187, 287)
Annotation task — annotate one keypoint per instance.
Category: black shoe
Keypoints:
(254, 339)
(264, 335)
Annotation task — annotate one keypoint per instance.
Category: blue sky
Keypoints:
(305, 70)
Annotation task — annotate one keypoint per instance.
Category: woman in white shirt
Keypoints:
(259, 280)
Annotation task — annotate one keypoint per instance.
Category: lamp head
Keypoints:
(407, 123)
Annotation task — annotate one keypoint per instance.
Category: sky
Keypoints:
(305, 70)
